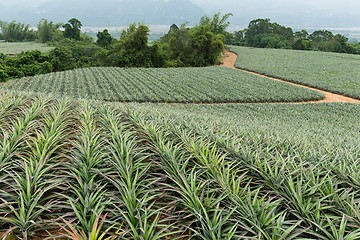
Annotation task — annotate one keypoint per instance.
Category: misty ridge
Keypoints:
(113, 13)
(108, 12)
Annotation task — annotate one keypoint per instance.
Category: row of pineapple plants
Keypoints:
(295, 192)
(160, 85)
(80, 170)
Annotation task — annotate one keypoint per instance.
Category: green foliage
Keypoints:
(104, 38)
(47, 30)
(173, 28)
(217, 25)
(206, 46)
(72, 29)
(198, 46)
(236, 38)
(303, 34)
(25, 64)
(74, 54)
(134, 42)
(302, 44)
(85, 38)
(177, 46)
(16, 32)
(132, 50)
(262, 28)
(320, 36)
(61, 59)
(339, 44)
(264, 34)
(3, 75)
(271, 41)
(355, 47)
(157, 55)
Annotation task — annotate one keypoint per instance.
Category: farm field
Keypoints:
(311, 124)
(334, 72)
(192, 171)
(179, 85)
(73, 164)
(18, 47)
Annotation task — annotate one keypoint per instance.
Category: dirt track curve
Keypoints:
(229, 59)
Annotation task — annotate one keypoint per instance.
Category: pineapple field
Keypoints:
(80, 169)
(333, 72)
(112, 153)
(14, 48)
(164, 85)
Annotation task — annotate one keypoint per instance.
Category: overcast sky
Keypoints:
(286, 12)
(290, 12)
(344, 6)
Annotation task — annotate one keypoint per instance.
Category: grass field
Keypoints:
(194, 85)
(18, 47)
(334, 72)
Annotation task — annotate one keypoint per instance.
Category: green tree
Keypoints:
(303, 34)
(207, 46)
(104, 38)
(72, 29)
(255, 28)
(236, 38)
(263, 33)
(177, 47)
(217, 23)
(47, 30)
(61, 59)
(320, 37)
(17, 32)
(197, 46)
(157, 55)
(339, 43)
(272, 41)
(173, 28)
(302, 44)
(132, 50)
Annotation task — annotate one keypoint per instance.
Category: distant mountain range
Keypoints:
(115, 13)
(107, 12)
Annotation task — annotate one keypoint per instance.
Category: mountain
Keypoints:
(108, 12)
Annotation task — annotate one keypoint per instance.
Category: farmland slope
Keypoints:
(11, 48)
(266, 168)
(229, 60)
(180, 85)
(334, 72)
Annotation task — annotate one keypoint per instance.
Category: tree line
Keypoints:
(263, 33)
(183, 46)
